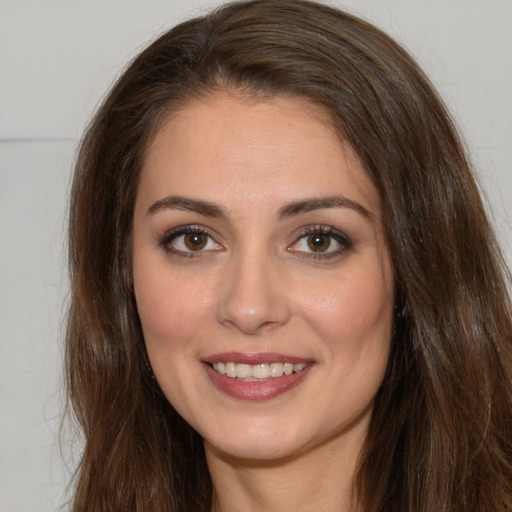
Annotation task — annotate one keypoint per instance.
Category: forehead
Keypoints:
(225, 147)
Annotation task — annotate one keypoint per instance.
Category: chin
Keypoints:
(249, 450)
(254, 439)
(274, 442)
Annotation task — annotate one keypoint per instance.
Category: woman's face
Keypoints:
(262, 277)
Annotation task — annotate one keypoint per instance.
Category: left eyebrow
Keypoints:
(204, 208)
(292, 209)
(308, 205)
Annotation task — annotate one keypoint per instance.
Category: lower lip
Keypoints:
(254, 390)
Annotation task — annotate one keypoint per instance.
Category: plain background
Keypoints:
(57, 59)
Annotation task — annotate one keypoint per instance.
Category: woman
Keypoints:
(285, 290)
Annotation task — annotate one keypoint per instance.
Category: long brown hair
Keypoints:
(440, 437)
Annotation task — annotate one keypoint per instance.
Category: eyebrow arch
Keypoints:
(308, 205)
(209, 209)
(184, 203)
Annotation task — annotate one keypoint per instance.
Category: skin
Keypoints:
(258, 286)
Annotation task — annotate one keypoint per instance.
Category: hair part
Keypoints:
(438, 435)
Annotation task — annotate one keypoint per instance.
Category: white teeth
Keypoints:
(263, 371)
(231, 370)
(243, 371)
(276, 369)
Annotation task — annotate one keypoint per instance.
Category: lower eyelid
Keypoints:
(175, 234)
(181, 239)
(343, 241)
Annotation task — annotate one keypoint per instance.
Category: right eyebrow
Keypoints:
(319, 203)
(204, 208)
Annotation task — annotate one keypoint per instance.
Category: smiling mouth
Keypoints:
(257, 372)
(256, 377)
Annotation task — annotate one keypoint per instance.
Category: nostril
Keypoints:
(249, 300)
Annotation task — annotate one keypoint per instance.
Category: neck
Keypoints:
(321, 479)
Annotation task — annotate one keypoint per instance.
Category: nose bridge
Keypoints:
(252, 296)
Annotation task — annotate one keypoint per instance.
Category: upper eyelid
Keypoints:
(173, 233)
(324, 230)
(302, 232)
(188, 228)
(166, 241)
(345, 242)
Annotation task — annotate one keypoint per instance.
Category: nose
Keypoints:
(253, 295)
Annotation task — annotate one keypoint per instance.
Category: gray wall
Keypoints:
(57, 59)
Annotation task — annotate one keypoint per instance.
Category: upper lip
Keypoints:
(254, 358)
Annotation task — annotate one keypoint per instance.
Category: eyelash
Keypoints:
(172, 235)
(339, 237)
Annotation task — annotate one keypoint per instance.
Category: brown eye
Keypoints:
(319, 242)
(195, 241)
(189, 240)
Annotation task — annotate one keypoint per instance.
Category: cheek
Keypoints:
(353, 312)
(170, 308)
